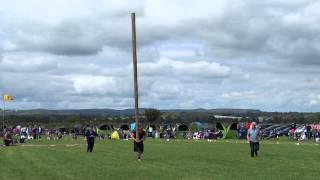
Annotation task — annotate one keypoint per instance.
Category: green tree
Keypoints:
(193, 127)
(318, 116)
(152, 115)
(73, 119)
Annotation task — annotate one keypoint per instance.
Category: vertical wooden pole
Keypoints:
(3, 112)
(135, 72)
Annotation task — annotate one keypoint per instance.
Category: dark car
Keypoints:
(264, 126)
(277, 130)
(284, 132)
(270, 131)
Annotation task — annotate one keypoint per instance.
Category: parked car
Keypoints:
(284, 132)
(270, 132)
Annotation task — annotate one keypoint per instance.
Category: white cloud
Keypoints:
(313, 102)
(240, 95)
(254, 54)
(201, 69)
(28, 64)
(163, 90)
(100, 85)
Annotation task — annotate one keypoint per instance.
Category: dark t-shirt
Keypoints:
(308, 128)
(141, 135)
(91, 135)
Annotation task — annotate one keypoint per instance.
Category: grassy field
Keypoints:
(178, 159)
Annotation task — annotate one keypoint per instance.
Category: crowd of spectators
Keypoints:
(19, 134)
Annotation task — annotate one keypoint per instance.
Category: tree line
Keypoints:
(152, 116)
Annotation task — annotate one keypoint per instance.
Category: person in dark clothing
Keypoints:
(138, 143)
(90, 135)
(35, 132)
(309, 134)
(7, 139)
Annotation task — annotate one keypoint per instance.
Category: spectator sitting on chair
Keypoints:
(7, 139)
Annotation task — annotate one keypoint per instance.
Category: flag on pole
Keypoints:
(7, 97)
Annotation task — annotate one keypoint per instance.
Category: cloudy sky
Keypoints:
(192, 54)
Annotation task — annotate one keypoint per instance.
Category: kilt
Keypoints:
(138, 147)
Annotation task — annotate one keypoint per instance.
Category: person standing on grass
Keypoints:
(138, 143)
(90, 135)
(253, 139)
(39, 132)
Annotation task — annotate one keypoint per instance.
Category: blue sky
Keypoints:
(192, 54)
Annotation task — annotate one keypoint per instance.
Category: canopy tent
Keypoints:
(226, 127)
(226, 123)
(167, 126)
(153, 126)
(77, 126)
(195, 126)
(104, 127)
(115, 135)
(101, 133)
(125, 127)
(182, 127)
(63, 129)
(233, 126)
(232, 118)
(199, 124)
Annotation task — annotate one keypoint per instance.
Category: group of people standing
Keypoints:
(253, 137)
(138, 145)
(12, 135)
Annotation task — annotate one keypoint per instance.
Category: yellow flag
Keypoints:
(7, 97)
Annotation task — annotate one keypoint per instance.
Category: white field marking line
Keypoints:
(50, 145)
(297, 143)
(201, 141)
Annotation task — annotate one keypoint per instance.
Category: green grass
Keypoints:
(179, 159)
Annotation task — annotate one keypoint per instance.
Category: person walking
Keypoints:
(253, 137)
(90, 135)
(138, 143)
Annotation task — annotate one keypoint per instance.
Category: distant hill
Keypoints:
(218, 111)
(86, 112)
(168, 115)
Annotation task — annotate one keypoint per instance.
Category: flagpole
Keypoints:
(135, 72)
